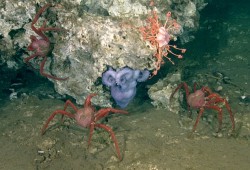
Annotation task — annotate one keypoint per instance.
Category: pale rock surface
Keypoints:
(97, 34)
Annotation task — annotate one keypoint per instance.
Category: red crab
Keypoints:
(87, 117)
(205, 99)
(41, 46)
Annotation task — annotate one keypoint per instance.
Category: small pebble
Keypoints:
(219, 88)
(40, 152)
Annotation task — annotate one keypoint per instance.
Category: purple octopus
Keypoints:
(123, 83)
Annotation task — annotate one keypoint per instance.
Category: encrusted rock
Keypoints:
(161, 91)
(97, 34)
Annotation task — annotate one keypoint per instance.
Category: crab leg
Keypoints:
(26, 60)
(231, 113)
(218, 99)
(36, 18)
(91, 129)
(48, 75)
(67, 103)
(112, 134)
(62, 112)
(209, 107)
(87, 102)
(104, 112)
(185, 87)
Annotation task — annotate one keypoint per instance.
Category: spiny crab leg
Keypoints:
(62, 112)
(108, 129)
(104, 112)
(39, 13)
(48, 75)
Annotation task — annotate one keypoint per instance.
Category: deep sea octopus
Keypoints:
(123, 83)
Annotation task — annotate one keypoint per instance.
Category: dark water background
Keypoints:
(149, 138)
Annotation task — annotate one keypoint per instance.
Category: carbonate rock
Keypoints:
(14, 16)
(90, 44)
(96, 34)
(161, 91)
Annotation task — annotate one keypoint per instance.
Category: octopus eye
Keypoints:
(111, 79)
(123, 80)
